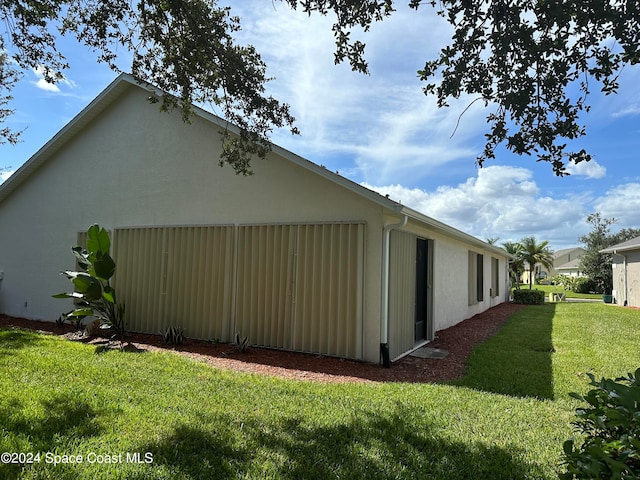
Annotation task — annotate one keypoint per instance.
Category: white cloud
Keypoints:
(591, 169)
(43, 84)
(4, 174)
(383, 124)
(500, 201)
(628, 111)
(621, 202)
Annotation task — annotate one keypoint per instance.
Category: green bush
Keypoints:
(564, 281)
(528, 297)
(584, 285)
(611, 427)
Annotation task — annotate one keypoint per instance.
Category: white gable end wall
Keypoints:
(134, 167)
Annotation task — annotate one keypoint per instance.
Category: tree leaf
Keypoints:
(88, 286)
(104, 267)
(81, 312)
(68, 295)
(109, 294)
(98, 240)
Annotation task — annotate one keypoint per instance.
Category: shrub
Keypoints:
(611, 427)
(564, 281)
(528, 297)
(173, 335)
(92, 289)
(242, 343)
(584, 285)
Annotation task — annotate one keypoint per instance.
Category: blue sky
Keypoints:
(382, 131)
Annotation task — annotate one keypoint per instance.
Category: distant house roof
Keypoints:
(633, 244)
(572, 265)
(564, 251)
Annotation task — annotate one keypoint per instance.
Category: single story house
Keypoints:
(570, 269)
(565, 262)
(626, 272)
(294, 257)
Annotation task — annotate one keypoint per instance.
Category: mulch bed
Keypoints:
(458, 340)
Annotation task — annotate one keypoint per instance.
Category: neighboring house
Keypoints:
(626, 272)
(565, 262)
(570, 269)
(295, 257)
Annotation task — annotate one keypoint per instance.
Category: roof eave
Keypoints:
(454, 232)
(125, 80)
(620, 249)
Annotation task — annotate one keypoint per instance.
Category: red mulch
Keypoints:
(458, 340)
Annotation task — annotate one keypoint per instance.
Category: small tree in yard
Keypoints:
(595, 265)
(92, 287)
(535, 253)
(565, 281)
(516, 265)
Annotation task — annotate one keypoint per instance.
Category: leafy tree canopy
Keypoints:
(535, 253)
(532, 62)
(522, 58)
(596, 265)
(184, 47)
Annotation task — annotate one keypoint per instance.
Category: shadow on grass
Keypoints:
(518, 360)
(17, 339)
(63, 417)
(195, 452)
(117, 346)
(370, 445)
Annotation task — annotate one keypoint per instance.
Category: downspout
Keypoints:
(626, 298)
(624, 276)
(507, 283)
(625, 279)
(384, 323)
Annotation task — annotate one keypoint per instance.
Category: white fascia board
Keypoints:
(454, 232)
(620, 249)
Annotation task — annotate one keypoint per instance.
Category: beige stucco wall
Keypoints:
(134, 166)
(450, 276)
(632, 291)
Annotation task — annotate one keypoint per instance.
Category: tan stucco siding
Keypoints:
(626, 284)
(134, 166)
(451, 274)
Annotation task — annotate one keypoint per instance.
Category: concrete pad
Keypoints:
(428, 352)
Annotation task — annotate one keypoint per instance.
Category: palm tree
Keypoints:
(516, 265)
(535, 253)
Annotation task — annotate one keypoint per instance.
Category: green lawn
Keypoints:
(506, 419)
